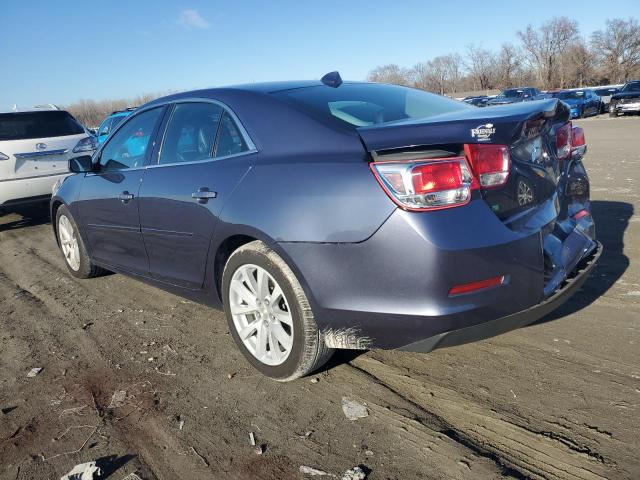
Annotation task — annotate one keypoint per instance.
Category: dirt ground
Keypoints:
(559, 399)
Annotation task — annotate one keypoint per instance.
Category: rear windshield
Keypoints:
(573, 95)
(603, 92)
(363, 104)
(21, 126)
(513, 93)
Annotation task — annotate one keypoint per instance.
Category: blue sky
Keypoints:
(62, 51)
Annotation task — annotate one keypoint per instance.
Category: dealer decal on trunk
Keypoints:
(483, 132)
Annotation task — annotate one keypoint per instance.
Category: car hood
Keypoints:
(574, 102)
(620, 95)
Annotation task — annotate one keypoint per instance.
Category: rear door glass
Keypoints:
(47, 124)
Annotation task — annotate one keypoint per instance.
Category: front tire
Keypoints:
(72, 246)
(269, 315)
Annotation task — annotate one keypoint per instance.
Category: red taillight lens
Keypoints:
(425, 184)
(577, 137)
(563, 141)
(435, 177)
(490, 163)
(476, 286)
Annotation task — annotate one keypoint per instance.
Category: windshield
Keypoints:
(577, 95)
(362, 104)
(511, 93)
(605, 92)
(26, 125)
(631, 87)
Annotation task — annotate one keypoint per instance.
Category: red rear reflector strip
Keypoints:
(580, 214)
(476, 286)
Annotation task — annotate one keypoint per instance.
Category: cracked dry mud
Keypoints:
(559, 399)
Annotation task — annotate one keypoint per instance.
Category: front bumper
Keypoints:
(628, 107)
(510, 322)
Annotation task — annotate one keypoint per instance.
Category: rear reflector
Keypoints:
(476, 286)
(425, 184)
(563, 141)
(580, 214)
(490, 163)
(577, 137)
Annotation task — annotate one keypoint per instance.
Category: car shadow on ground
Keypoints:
(27, 217)
(612, 220)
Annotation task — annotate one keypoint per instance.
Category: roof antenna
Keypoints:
(332, 79)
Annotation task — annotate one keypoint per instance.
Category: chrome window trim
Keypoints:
(41, 154)
(251, 147)
(208, 160)
(245, 135)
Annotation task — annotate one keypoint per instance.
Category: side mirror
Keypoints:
(82, 164)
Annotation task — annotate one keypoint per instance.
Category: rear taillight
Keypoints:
(425, 184)
(577, 137)
(490, 163)
(563, 141)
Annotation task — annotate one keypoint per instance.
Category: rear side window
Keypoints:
(26, 125)
(230, 141)
(191, 133)
(357, 105)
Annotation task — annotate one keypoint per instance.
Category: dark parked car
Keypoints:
(627, 100)
(605, 94)
(476, 101)
(582, 103)
(515, 95)
(326, 215)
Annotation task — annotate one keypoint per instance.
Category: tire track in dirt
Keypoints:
(63, 304)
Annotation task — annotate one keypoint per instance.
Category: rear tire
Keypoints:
(266, 305)
(72, 246)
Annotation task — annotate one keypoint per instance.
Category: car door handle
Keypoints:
(204, 194)
(126, 197)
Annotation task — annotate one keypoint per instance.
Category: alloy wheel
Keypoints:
(69, 243)
(261, 314)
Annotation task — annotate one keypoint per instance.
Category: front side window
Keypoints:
(128, 146)
(191, 133)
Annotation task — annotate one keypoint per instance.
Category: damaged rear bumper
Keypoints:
(510, 322)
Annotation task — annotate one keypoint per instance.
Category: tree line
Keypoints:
(92, 112)
(553, 55)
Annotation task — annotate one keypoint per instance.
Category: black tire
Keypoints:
(86, 268)
(309, 351)
(613, 113)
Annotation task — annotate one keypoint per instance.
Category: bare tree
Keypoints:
(453, 71)
(481, 64)
(91, 113)
(508, 66)
(578, 66)
(618, 48)
(545, 46)
(390, 73)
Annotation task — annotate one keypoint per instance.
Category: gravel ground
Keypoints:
(559, 399)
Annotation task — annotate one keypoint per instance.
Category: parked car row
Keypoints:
(583, 102)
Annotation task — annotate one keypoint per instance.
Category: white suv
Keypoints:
(35, 148)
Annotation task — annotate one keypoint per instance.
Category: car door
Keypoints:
(108, 202)
(204, 154)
